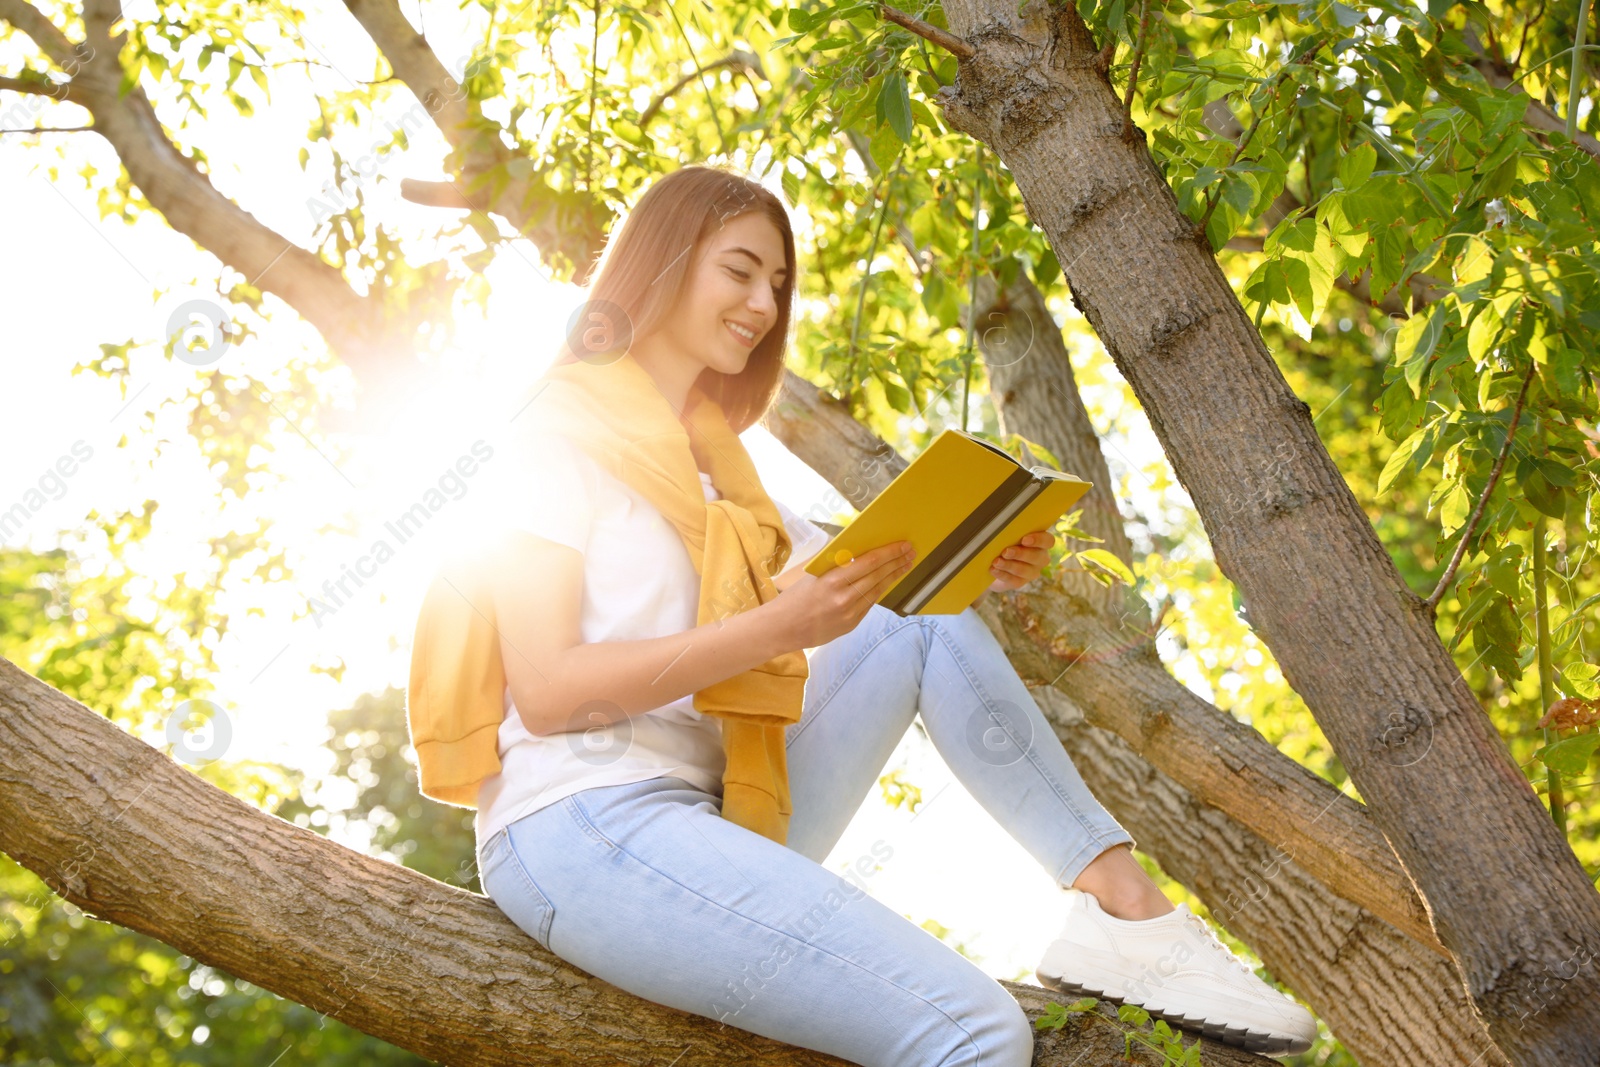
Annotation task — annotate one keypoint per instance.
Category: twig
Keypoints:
(1488, 491)
(866, 278)
(1577, 68)
(972, 290)
(1523, 43)
(1211, 203)
(711, 105)
(928, 32)
(744, 62)
(594, 60)
(1133, 75)
(50, 129)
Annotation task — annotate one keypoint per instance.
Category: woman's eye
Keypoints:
(740, 274)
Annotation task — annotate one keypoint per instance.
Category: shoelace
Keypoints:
(1210, 938)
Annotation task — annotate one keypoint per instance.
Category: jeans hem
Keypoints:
(1079, 860)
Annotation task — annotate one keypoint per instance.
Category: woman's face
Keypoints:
(731, 301)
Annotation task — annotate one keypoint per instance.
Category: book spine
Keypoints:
(962, 543)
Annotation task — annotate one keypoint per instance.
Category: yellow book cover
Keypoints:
(960, 504)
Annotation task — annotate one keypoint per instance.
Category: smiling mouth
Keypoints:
(745, 336)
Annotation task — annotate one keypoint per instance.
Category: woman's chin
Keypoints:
(732, 365)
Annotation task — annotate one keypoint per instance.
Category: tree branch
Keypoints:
(1284, 526)
(34, 84)
(46, 34)
(747, 63)
(1488, 490)
(928, 32)
(132, 837)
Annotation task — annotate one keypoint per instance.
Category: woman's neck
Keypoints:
(674, 372)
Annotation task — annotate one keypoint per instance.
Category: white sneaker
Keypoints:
(1174, 967)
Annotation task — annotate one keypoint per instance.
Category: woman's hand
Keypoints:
(1022, 562)
(813, 611)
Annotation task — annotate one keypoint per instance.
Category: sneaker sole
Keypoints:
(1269, 1044)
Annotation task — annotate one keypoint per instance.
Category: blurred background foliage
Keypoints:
(1404, 197)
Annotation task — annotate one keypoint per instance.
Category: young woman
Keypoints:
(603, 835)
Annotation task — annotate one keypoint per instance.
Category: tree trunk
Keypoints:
(131, 837)
(1505, 893)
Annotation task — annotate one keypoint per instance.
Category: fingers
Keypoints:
(893, 562)
(1024, 561)
(890, 551)
(878, 570)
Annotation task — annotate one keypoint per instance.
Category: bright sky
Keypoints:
(73, 282)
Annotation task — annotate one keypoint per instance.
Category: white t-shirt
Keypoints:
(638, 583)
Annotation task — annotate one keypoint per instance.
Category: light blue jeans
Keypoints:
(646, 885)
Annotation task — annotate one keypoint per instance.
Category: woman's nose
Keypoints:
(764, 302)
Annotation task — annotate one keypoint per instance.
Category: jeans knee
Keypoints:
(995, 1032)
(963, 627)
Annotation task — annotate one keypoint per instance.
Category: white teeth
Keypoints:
(741, 331)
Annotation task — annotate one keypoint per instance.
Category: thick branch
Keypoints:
(131, 837)
(33, 84)
(46, 34)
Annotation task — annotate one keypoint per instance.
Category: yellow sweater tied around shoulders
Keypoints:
(617, 415)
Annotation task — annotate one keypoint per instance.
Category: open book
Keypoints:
(961, 503)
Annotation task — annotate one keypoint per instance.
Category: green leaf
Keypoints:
(1581, 680)
(1483, 333)
(1047, 270)
(1499, 624)
(1399, 410)
(1504, 571)
(1397, 461)
(1415, 343)
(805, 21)
(1355, 166)
(896, 394)
(885, 147)
(1570, 756)
(1555, 473)
(1454, 510)
(1541, 494)
(791, 186)
(1102, 558)
(1302, 236)
(1469, 614)
(894, 105)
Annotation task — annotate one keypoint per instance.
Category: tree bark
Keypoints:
(131, 837)
(1505, 893)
